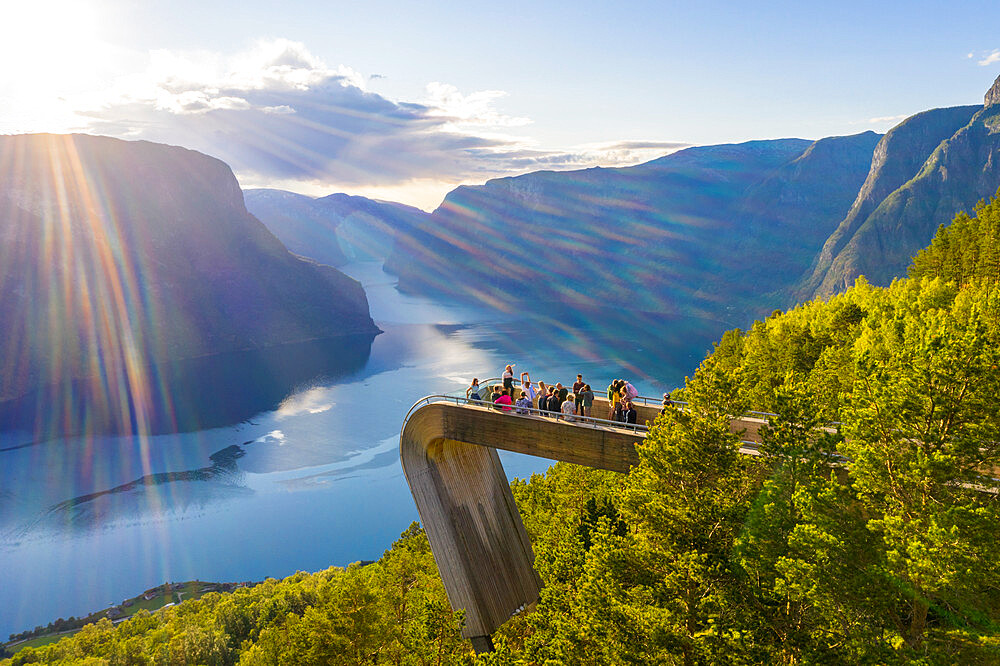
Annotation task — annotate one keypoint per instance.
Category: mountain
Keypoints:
(119, 254)
(334, 229)
(925, 170)
(708, 231)
(898, 157)
(298, 222)
(788, 215)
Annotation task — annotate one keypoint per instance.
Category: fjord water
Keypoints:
(285, 459)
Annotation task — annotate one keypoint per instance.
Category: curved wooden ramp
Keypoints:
(448, 452)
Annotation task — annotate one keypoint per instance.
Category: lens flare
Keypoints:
(89, 338)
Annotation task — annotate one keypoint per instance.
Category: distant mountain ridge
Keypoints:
(691, 233)
(116, 254)
(334, 229)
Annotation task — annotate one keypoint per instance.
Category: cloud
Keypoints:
(990, 58)
(277, 113)
(879, 120)
(624, 153)
(464, 111)
(665, 146)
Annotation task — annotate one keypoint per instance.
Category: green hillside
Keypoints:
(866, 535)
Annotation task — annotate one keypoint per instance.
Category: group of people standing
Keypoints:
(620, 396)
(566, 403)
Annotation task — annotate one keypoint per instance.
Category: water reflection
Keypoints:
(192, 394)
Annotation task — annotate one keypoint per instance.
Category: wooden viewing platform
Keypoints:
(448, 448)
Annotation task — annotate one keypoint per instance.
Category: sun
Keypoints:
(49, 49)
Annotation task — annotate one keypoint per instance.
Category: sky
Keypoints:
(404, 101)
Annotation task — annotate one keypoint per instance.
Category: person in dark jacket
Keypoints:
(554, 404)
(543, 401)
(628, 413)
(586, 399)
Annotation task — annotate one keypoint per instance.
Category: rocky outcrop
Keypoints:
(926, 170)
(993, 94)
(118, 254)
(961, 171)
(898, 157)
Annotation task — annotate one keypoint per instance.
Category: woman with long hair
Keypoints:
(472, 393)
(508, 377)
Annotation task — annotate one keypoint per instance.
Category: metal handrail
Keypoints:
(586, 421)
(646, 400)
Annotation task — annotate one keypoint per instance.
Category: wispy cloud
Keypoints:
(990, 58)
(472, 110)
(881, 120)
(277, 113)
(625, 153)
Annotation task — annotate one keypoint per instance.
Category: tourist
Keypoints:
(508, 377)
(586, 399)
(504, 401)
(523, 403)
(667, 403)
(552, 404)
(628, 413)
(496, 394)
(569, 407)
(577, 387)
(617, 413)
(543, 397)
(614, 396)
(527, 387)
(562, 392)
(472, 393)
(630, 391)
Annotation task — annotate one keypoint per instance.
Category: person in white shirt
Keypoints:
(508, 377)
(527, 387)
(569, 408)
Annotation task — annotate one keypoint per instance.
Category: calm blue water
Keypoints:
(294, 465)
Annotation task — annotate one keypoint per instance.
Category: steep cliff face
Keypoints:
(993, 94)
(791, 213)
(897, 158)
(708, 231)
(926, 170)
(116, 254)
